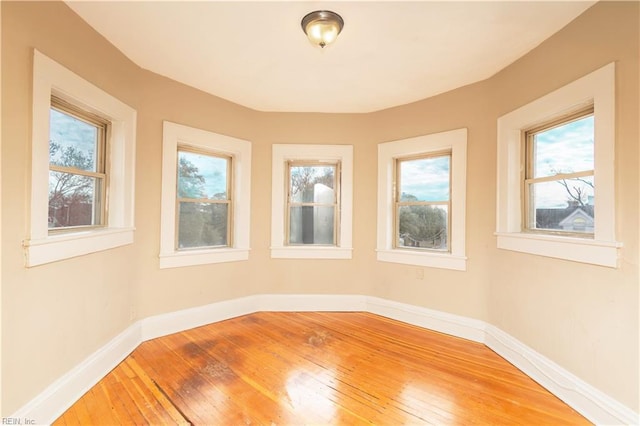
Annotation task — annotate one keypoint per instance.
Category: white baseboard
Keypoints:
(174, 322)
(61, 394)
(442, 322)
(314, 302)
(596, 406)
(584, 398)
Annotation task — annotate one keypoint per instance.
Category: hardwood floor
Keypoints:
(278, 368)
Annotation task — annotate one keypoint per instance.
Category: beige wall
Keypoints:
(584, 318)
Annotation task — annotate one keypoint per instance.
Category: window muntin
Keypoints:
(77, 168)
(559, 186)
(453, 143)
(312, 203)
(422, 202)
(203, 202)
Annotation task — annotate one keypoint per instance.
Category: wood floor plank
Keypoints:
(159, 406)
(264, 371)
(288, 368)
(316, 375)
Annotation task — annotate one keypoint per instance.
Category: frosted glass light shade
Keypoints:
(322, 27)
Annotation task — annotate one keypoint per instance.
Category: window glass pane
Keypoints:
(202, 176)
(563, 205)
(423, 226)
(425, 179)
(202, 224)
(311, 225)
(72, 142)
(74, 200)
(312, 184)
(567, 148)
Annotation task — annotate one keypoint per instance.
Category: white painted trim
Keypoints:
(311, 302)
(65, 246)
(202, 257)
(593, 404)
(598, 88)
(311, 252)
(443, 322)
(427, 259)
(584, 398)
(284, 152)
(173, 136)
(61, 394)
(49, 78)
(603, 253)
(174, 322)
(388, 152)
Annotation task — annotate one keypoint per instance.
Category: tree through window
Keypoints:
(77, 158)
(203, 199)
(423, 202)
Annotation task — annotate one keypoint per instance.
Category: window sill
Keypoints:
(311, 252)
(595, 252)
(420, 258)
(179, 259)
(64, 246)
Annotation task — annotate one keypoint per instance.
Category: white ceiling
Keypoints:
(388, 54)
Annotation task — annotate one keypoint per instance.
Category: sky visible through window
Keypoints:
(212, 169)
(568, 148)
(69, 132)
(427, 179)
(564, 149)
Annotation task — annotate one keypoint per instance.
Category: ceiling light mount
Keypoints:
(322, 27)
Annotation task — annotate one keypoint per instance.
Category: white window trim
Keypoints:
(288, 152)
(177, 134)
(388, 152)
(49, 78)
(598, 88)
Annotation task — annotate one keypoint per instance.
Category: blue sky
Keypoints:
(564, 149)
(426, 178)
(568, 148)
(213, 169)
(69, 131)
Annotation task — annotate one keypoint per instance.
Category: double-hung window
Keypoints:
(311, 201)
(422, 202)
(203, 201)
(559, 189)
(422, 199)
(313, 197)
(556, 176)
(82, 167)
(77, 168)
(206, 193)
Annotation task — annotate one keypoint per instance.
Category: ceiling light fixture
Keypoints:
(322, 27)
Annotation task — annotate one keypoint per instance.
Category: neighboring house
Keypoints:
(578, 220)
(571, 218)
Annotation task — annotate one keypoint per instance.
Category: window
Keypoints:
(559, 188)
(81, 136)
(554, 210)
(77, 172)
(205, 197)
(421, 200)
(311, 201)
